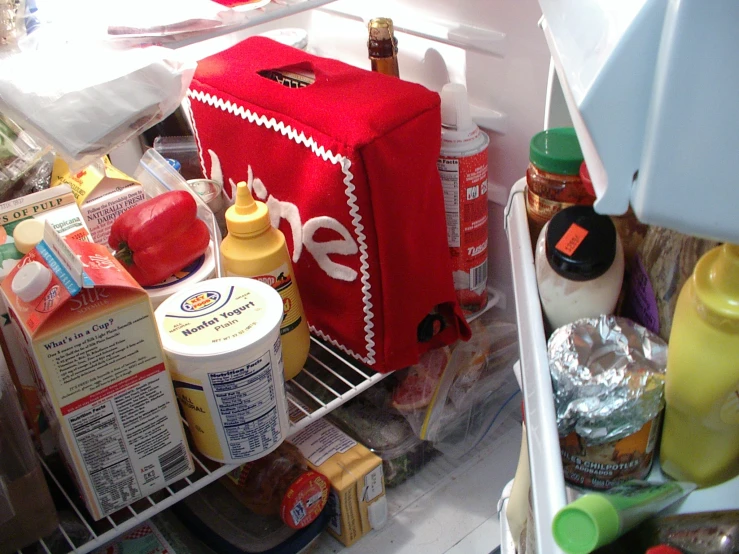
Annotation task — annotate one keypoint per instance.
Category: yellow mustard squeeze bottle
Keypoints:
(700, 437)
(253, 248)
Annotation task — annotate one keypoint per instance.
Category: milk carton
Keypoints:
(89, 331)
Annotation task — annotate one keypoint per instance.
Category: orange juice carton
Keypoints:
(102, 193)
(357, 497)
(21, 226)
(89, 332)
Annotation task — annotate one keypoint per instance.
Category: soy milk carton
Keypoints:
(88, 329)
(57, 206)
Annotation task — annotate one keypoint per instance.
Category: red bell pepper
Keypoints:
(158, 237)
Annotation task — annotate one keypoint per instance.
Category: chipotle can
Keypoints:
(608, 383)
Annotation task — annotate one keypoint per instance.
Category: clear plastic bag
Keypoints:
(474, 391)
(83, 101)
(129, 22)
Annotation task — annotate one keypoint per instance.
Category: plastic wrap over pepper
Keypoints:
(607, 377)
(158, 237)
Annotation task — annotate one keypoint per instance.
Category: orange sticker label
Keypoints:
(572, 239)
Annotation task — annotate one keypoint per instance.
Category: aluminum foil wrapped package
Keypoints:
(607, 376)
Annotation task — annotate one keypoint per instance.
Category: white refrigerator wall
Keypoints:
(494, 47)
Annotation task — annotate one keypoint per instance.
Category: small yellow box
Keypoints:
(357, 496)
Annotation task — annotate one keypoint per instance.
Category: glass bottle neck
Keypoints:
(386, 66)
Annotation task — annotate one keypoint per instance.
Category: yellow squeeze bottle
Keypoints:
(253, 248)
(700, 437)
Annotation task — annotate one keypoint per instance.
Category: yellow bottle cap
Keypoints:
(247, 216)
(716, 279)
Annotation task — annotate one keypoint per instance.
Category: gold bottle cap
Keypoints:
(382, 42)
(381, 28)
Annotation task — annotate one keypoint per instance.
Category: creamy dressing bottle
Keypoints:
(579, 266)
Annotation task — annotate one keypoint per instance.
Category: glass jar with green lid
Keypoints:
(552, 178)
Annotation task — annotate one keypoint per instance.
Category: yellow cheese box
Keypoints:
(89, 332)
(357, 497)
(102, 193)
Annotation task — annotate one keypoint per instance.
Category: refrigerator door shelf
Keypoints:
(547, 482)
(652, 98)
(547, 485)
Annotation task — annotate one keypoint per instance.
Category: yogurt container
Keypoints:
(222, 339)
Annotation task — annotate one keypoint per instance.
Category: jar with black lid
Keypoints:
(579, 266)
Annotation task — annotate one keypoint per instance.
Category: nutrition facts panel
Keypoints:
(449, 173)
(247, 407)
(102, 446)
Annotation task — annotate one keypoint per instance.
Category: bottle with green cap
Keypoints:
(596, 519)
(254, 248)
(553, 177)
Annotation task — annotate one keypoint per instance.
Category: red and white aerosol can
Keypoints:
(463, 167)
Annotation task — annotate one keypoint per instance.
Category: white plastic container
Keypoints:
(200, 270)
(222, 339)
(579, 266)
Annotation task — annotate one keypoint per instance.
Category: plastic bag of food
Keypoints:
(18, 153)
(132, 23)
(455, 395)
(83, 101)
(369, 419)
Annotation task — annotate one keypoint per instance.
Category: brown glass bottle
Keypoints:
(382, 46)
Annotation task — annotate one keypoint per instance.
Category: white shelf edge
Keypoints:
(547, 484)
(490, 42)
(207, 44)
(507, 544)
(364, 378)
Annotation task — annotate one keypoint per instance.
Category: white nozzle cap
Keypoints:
(455, 108)
(377, 512)
(31, 281)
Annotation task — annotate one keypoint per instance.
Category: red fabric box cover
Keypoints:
(347, 166)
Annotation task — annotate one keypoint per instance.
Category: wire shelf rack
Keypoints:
(328, 379)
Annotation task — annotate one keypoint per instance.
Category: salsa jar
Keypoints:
(553, 176)
(280, 484)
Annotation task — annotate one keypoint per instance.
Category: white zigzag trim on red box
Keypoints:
(345, 165)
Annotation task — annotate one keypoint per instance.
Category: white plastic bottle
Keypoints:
(579, 266)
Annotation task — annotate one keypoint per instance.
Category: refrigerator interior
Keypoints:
(497, 49)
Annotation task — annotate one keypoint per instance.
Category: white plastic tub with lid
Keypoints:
(222, 339)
